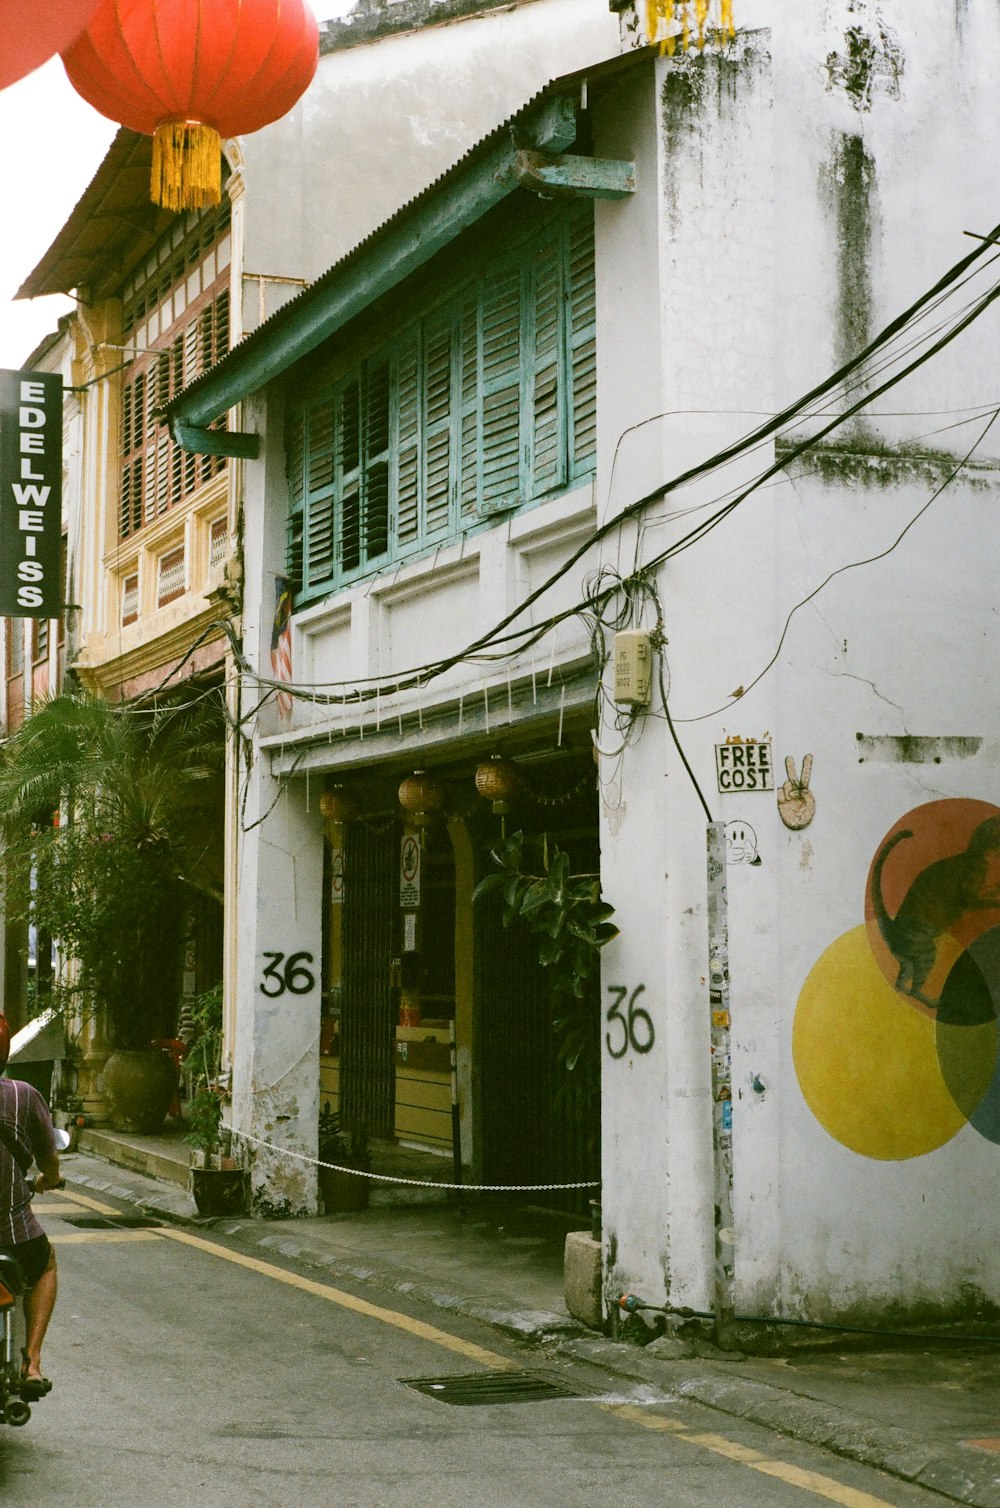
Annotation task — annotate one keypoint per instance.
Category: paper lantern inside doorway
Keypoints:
(190, 72)
(31, 33)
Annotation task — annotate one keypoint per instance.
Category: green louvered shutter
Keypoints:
(295, 471)
(583, 344)
(407, 519)
(501, 394)
(469, 401)
(349, 474)
(319, 498)
(376, 462)
(437, 430)
(548, 450)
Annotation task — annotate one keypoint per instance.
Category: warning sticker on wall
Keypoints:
(409, 872)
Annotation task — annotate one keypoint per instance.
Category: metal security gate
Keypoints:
(530, 1125)
(368, 1013)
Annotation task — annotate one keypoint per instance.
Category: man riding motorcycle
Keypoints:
(26, 1134)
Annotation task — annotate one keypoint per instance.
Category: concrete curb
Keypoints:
(525, 1324)
(960, 1473)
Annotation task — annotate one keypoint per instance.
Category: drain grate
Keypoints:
(491, 1387)
(101, 1222)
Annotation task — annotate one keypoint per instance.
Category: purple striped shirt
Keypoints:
(25, 1116)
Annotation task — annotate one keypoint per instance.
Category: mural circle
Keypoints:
(895, 1040)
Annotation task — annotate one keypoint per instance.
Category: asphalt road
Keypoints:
(190, 1372)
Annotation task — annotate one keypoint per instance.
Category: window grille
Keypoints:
(218, 541)
(130, 599)
(480, 406)
(170, 576)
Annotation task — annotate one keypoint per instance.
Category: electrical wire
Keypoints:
(851, 565)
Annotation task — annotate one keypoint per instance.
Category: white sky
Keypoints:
(51, 145)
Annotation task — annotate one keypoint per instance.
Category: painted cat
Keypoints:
(938, 897)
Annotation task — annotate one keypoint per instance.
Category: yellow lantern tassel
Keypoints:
(728, 24)
(187, 166)
(701, 16)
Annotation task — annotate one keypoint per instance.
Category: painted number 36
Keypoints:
(634, 1024)
(294, 977)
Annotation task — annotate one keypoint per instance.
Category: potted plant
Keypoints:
(103, 836)
(341, 1188)
(571, 924)
(218, 1186)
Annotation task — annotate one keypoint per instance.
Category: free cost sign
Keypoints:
(30, 493)
(744, 766)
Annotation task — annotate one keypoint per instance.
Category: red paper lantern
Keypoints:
(188, 72)
(30, 33)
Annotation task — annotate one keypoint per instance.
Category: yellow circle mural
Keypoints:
(868, 1064)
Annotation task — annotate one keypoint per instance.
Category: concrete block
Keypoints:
(582, 1278)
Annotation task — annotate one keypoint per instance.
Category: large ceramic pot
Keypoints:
(219, 1191)
(139, 1085)
(342, 1191)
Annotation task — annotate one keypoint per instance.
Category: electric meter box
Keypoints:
(633, 668)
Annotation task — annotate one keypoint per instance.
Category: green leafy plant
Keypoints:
(102, 821)
(572, 924)
(205, 1058)
(338, 1145)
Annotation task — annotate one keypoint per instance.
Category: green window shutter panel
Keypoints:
(407, 444)
(347, 474)
(295, 471)
(583, 344)
(468, 486)
(501, 393)
(376, 453)
(548, 452)
(319, 497)
(438, 382)
(477, 408)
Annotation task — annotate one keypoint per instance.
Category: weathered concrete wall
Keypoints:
(811, 185)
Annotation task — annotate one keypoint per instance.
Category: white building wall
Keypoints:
(766, 269)
(382, 120)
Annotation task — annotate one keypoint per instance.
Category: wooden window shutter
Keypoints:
(468, 485)
(376, 461)
(501, 394)
(583, 344)
(407, 520)
(319, 492)
(548, 452)
(295, 468)
(348, 475)
(437, 447)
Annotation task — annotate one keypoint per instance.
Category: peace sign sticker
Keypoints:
(796, 802)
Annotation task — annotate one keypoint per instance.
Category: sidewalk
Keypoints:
(928, 1413)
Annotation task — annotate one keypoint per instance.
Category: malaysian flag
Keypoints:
(281, 641)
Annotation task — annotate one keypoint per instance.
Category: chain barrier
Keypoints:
(416, 1183)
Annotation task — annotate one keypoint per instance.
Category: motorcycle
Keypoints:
(14, 1409)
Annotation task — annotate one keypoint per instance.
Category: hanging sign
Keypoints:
(30, 493)
(744, 766)
(409, 872)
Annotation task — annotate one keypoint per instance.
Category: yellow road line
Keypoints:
(75, 1237)
(345, 1300)
(84, 1200)
(795, 1476)
(810, 1481)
